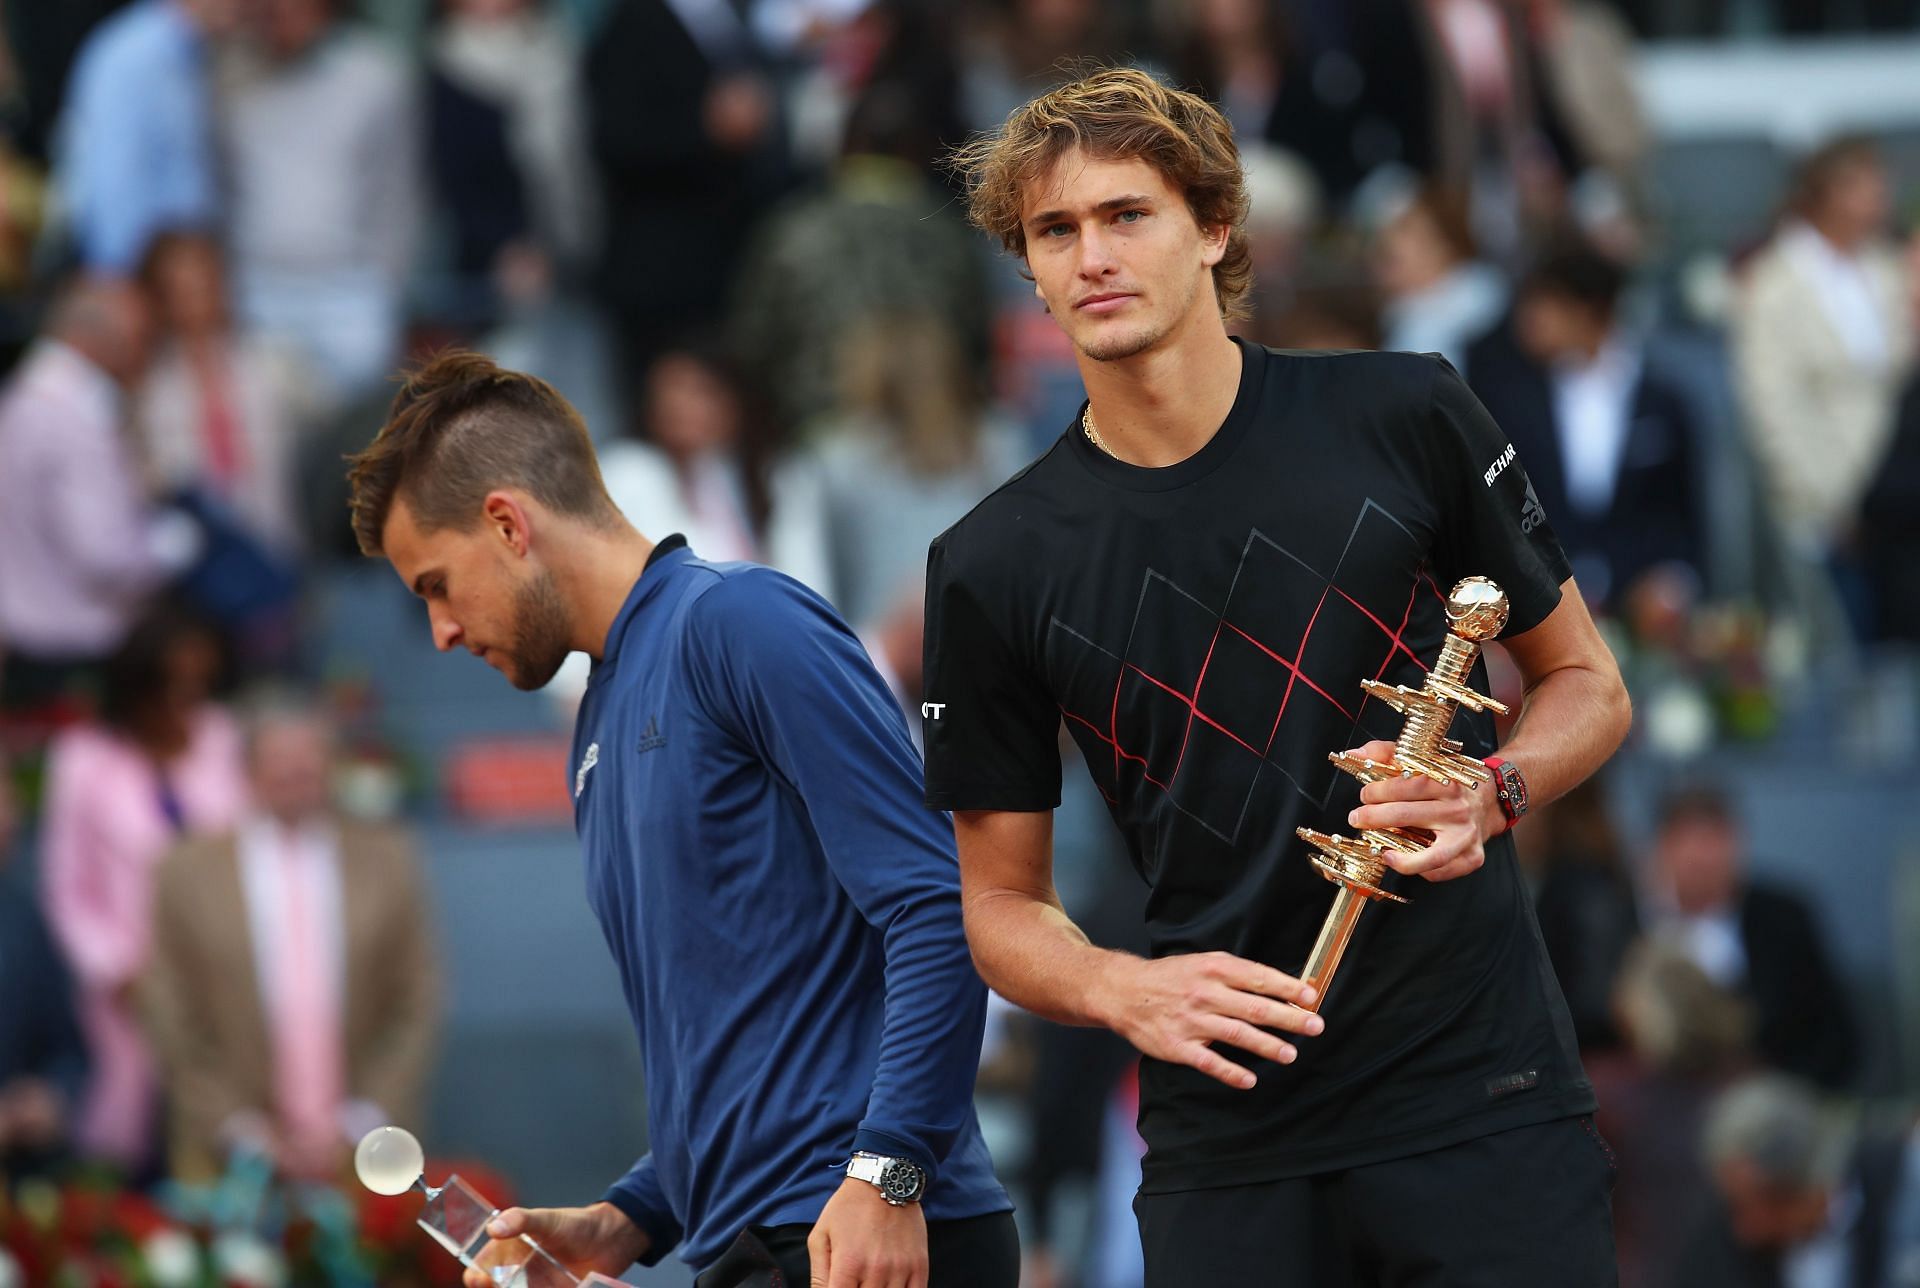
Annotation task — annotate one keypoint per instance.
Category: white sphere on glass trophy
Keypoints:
(389, 1161)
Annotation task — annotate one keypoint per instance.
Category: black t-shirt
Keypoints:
(1203, 630)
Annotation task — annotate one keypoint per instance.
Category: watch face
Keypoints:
(1514, 790)
(901, 1182)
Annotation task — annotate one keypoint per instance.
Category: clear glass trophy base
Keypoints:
(456, 1216)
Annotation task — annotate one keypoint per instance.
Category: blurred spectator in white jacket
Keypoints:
(1821, 337)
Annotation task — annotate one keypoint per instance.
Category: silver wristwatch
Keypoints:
(900, 1180)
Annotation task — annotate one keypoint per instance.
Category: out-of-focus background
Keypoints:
(1671, 243)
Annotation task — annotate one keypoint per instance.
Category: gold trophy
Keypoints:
(1476, 612)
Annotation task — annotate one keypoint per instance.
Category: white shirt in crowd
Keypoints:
(1846, 293)
(1593, 412)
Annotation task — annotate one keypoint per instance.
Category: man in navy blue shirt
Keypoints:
(784, 912)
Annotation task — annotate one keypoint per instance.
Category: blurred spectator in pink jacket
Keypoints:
(162, 761)
(80, 545)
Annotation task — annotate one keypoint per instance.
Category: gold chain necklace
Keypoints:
(1093, 435)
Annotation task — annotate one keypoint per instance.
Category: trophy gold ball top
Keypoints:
(1477, 609)
(389, 1160)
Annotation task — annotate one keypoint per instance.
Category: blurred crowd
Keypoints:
(724, 229)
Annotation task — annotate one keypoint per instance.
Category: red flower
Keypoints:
(82, 1218)
(389, 1222)
(137, 1217)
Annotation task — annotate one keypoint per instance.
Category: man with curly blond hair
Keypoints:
(1195, 578)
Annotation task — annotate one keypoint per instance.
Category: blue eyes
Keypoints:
(1057, 231)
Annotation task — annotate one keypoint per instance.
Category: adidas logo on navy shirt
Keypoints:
(651, 739)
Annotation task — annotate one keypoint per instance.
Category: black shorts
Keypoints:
(974, 1252)
(1518, 1209)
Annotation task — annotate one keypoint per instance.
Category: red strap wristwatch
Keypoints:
(1510, 787)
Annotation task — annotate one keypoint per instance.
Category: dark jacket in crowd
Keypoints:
(679, 208)
(1889, 538)
(1803, 1023)
(1588, 919)
(1655, 516)
(39, 1036)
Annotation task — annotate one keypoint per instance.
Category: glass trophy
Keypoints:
(389, 1161)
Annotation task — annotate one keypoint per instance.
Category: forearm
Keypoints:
(1031, 953)
(935, 1015)
(1572, 720)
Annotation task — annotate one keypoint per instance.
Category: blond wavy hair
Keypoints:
(1117, 113)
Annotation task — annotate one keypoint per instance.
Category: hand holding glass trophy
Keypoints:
(389, 1161)
(1476, 612)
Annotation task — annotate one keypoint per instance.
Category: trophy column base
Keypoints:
(1356, 868)
(1317, 974)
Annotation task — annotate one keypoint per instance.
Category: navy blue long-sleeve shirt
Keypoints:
(784, 911)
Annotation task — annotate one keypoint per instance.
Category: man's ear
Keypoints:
(507, 521)
(1214, 238)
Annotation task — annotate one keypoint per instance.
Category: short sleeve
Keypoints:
(1491, 523)
(991, 729)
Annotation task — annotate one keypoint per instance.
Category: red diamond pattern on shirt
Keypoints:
(1169, 707)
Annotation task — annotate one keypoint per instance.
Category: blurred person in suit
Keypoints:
(294, 989)
(682, 127)
(1822, 340)
(42, 1057)
(81, 546)
(1755, 938)
(163, 760)
(1610, 442)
